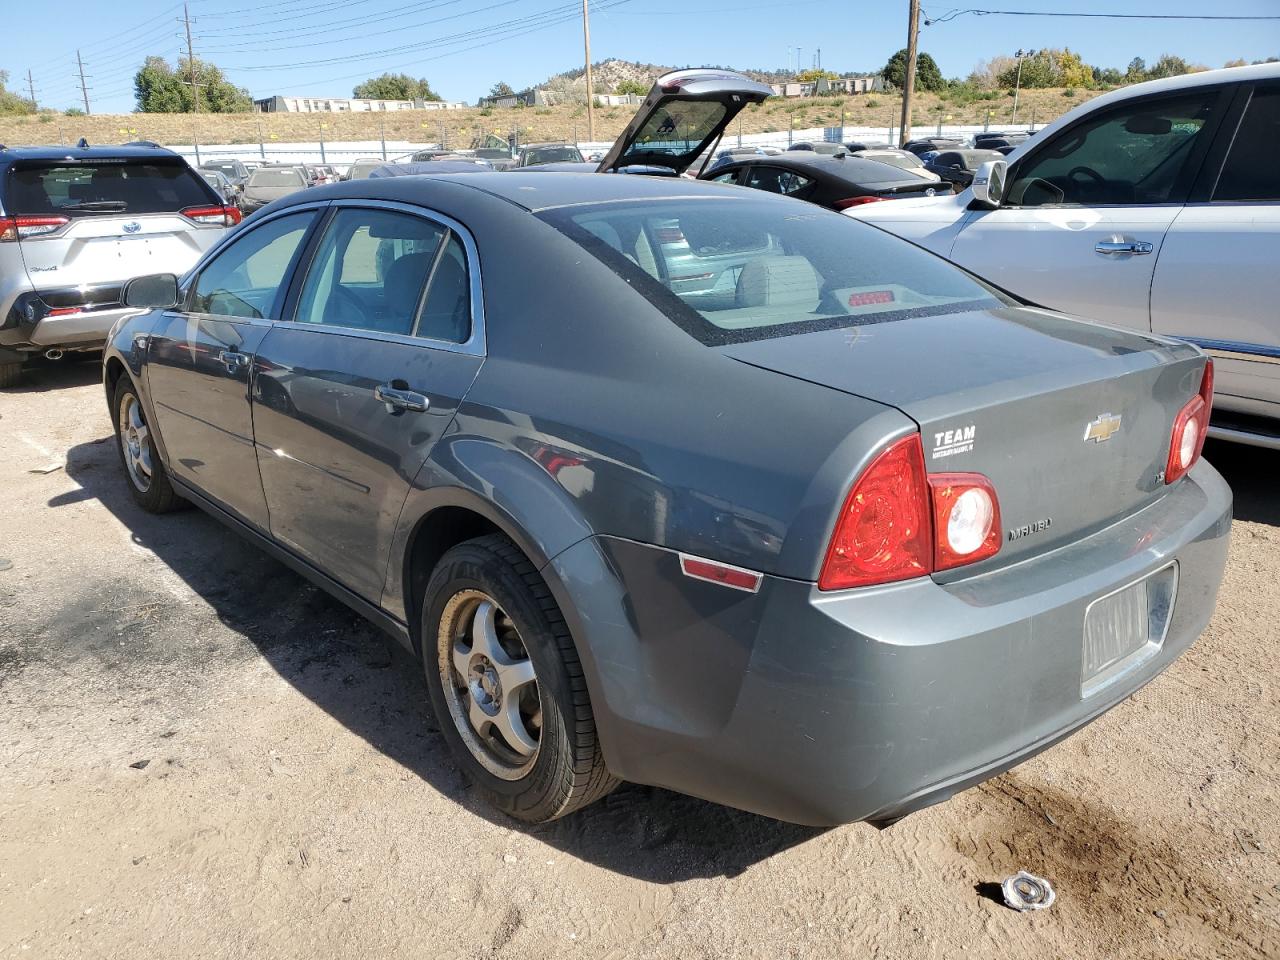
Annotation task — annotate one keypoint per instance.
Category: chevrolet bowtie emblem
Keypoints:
(1102, 428)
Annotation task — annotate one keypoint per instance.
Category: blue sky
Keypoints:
(324, 47)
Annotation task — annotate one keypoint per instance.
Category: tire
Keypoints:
(144, 473)
(10, 374)
(566, 770)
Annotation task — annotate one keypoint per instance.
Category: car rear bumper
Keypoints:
(36, 321)
(868, 704)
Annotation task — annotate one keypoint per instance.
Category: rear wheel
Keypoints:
(506, 683)
(148, 480)
(10, 374)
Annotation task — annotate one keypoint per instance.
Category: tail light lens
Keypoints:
(220, 216)
(898, 522)
(856, 202)
(1190, 429)
(30, 228)
(966, 516)
(883, 533)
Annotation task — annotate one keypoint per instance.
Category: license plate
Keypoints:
(1125, 628)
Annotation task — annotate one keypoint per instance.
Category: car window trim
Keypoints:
(474, 345)
(188, 283)
(1221, 106)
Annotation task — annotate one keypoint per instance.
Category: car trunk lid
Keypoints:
(685, 112)
(1070, 421)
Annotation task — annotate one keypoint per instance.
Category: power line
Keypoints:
(953, 14)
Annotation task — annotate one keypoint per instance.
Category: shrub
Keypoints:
(871, 103)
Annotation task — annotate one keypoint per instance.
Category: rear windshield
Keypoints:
(677, 129)
(903, 161)
(552, 155)
(276, 178)
(728, 270)
(83, 189)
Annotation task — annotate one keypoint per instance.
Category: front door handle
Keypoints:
(233, 361)
(398, 399)
(1113, 247)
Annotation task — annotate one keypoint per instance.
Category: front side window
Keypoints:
(1246, 175)
(1134, 154)
(245, 279)
(776, 180)
(391, 272)
(742, 269)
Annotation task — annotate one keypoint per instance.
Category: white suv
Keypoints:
(1157, 207)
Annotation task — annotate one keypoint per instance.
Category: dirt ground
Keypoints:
(203, 756)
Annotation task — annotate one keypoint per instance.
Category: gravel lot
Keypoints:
(203, 756)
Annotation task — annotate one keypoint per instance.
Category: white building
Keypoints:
(279, 104)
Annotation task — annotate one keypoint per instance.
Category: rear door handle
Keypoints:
(1112, 247)
(400, 398)
(233, 361)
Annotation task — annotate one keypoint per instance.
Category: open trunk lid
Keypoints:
(684, 113)
(1071, 421)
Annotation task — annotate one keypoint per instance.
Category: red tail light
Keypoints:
(30, 228)
(898, 522)
(966, 519)
(219, 216)
(1190, 429)
(883, 533)
(856, 202)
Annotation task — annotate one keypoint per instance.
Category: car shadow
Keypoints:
(1251, 472)
(365, 681)
(41, 375)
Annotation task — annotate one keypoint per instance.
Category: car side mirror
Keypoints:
(988, 185)
(156, 292)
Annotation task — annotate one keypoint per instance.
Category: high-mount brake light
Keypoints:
(1190, 428)
(219, 216)
(30, 228)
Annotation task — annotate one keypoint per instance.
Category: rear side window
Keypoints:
(1247, 175)
(85, 189)
(745, 269)
(776, 180)
(1134, 154)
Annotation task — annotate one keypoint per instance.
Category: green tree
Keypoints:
(928, 76)
(395, 86)
(1107, 76)
(808, 76)
(11, 103)
(160, 88)
(1168, 66)
(632, 86)
(1137, 71)
(500, 89)
(73, 112)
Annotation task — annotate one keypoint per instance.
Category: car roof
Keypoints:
(530, 191)
(84, 154)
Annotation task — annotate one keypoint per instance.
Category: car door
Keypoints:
(1217, 281)
(383, 339)
(1087, 210)
(200, 357)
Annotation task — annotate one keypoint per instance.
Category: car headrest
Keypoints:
(778, 281)
(605, 231)
(403, 283)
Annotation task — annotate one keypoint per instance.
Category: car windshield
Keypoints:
(276, 178)
(677, 129)
(740, 269)
(536, 155)
(103, 187)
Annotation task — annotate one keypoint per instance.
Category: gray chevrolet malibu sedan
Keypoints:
(829, 534)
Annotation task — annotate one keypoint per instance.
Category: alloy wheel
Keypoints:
(134, 442)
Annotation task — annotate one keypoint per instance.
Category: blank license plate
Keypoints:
(1125, 628)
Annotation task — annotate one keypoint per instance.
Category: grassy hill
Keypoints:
(542, 123)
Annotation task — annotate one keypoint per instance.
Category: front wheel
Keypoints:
(506, 683)
(148, 480)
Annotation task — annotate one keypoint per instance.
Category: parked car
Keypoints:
(1152, 207)
(957, 167)
(75, 223)
(834, 182)
(931, 144)
(820, 146)
(857, 146)
(903, 160)
(224, 187)
(361, 168)
(495, 150)
(792, 550)
(536, 154)
(430, 167)
(234, 170)
(993, 140)
(271, 183)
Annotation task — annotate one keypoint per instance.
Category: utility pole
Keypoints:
(1017, 83)
(591, 99)
(909, 80)
(83, 89)
(185, 20)
(31, 86)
